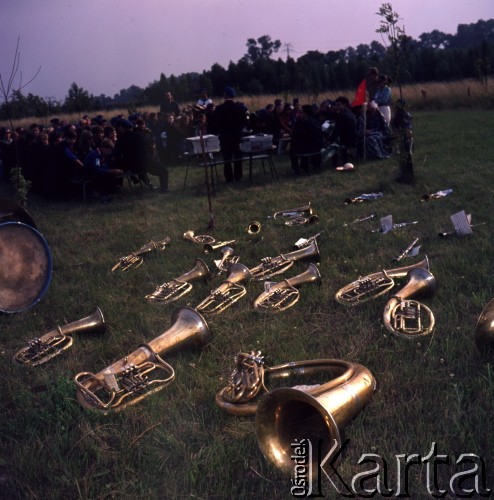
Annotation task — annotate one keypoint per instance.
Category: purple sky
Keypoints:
(108, 45)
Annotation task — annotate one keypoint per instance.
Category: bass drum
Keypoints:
(25, 267)
(10, 211)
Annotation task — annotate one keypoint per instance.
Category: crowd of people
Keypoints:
(140, 144)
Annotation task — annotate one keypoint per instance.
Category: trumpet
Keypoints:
(271, 266)
(293, 212)
(134, 259)
(280, 296)
(178, 287)
(211, 247)
(253, 227)
(374, 285)
(201, 239)
(227, 260)
(143, 372)
(484, 330)
(227, 293)
(51, 344)
(409, 318)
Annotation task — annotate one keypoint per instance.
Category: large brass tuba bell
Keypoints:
(51, 344)
(143, 372)
(178, 287)
(374, 285)
(409, 318)
(484, 330)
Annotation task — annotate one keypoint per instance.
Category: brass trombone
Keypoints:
(374, 285)
(280, 296)
(178, 287)
(409, 318)
(134, 259)
(51, 344)
(227, 293)
(201, 239)
(143, 372)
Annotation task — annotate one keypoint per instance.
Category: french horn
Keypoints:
(201, 239)
(282, 416)
(271, 266)
(374, 285)
(143, 372)
(134, 259)
(227, 293)
(484, 330)
(406, 317)
(178, 287)
(281, 296)
(51, 344)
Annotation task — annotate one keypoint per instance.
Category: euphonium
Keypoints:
(285, 415)
(253, 227)
(178, 287)
(409, 318)
(227, 292)
(211, 247)
(134, 259)
(374, 285)
(280, 296)
(51, 344)
(271, 266)
(201, 239)
(143, 372)
(294, 212)
(484, 331)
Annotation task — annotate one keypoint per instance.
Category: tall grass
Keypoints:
(177, 443)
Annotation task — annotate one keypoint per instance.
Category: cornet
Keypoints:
(135, 259)
(271, 266)
(280, 296)
(293, 212)
(227, 292)
(374, 285)
(286, 415)
(178, 287)
(484, 331)
(201, 239)
(143, 372)
(409, 318)
(51, 344)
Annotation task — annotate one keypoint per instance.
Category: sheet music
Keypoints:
(462, 223)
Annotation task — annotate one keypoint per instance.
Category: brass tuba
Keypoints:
(51, 344)
(280, 296)
(227, 293)
(271, 266)
(201, 239)
(409, 318)
(134, 259)
(484, 331)
(143, 372)
(285, 415)
(178, 287)
(374, 285)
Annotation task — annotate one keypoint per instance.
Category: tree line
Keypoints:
(435, 56)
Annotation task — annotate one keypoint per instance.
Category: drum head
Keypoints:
(12, 212)
(25, 267)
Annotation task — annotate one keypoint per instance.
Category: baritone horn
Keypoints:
(280, 296)
(143, 372)
(409, 318)
(178, 287)
(484, 330)
(227, 293)
(374, 285)
(51, 344)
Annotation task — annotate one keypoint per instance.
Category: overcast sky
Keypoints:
(108, 45)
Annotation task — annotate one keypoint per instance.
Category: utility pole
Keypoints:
(287, 47)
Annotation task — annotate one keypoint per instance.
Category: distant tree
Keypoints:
(482, 64)
(78, 100)
(262, 48)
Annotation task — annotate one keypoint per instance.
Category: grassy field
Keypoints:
(178, 443)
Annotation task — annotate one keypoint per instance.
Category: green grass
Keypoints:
(177, 443)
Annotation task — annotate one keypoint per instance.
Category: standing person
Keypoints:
(169, 105)
(382, 96)
(345, 130)
(366, 88)
(228, 121)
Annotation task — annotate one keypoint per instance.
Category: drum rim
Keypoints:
(49, 267)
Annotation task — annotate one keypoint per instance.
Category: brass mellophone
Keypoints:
(227, 293)
(271, 266)
(409, 318)
(484, 330)
(51, 344)
(280, 296)
(374, 285)
(134, 259)
(178, 287)
(143, 372)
